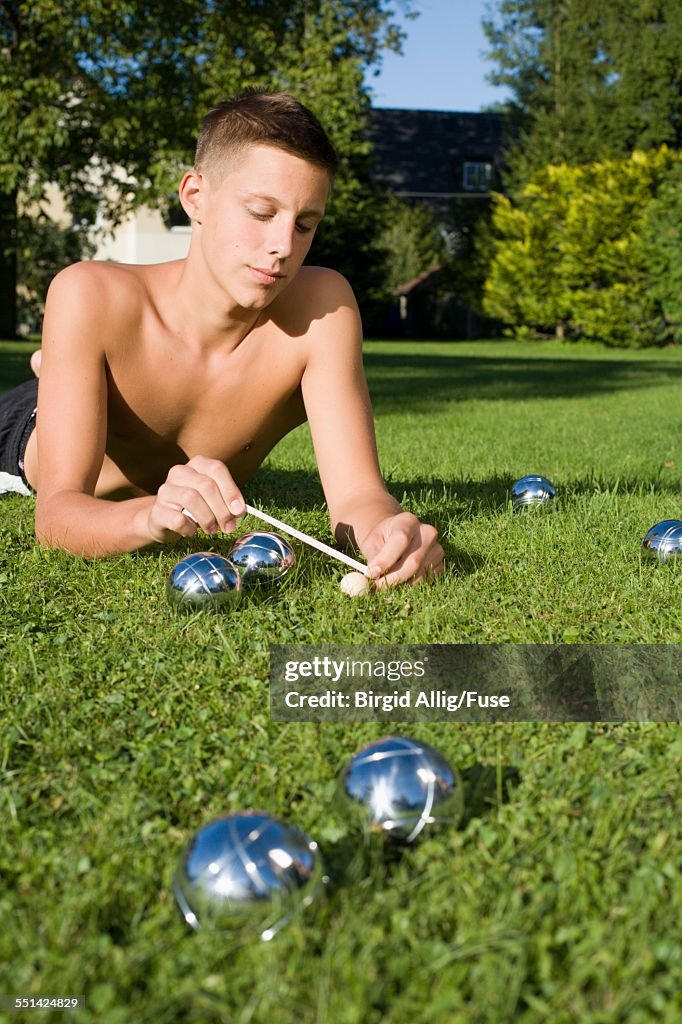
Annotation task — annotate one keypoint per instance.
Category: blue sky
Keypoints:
(442, 67)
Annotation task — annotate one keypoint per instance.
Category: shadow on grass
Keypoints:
(410, 382)
(284, 488)
(301, 489)
(462, 496)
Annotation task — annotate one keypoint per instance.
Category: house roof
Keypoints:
(420, 153)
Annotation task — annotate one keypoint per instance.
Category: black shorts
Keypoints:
(17, 422)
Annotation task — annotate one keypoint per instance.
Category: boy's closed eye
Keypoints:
(303, 229)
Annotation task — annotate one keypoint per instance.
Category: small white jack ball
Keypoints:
(354, 584)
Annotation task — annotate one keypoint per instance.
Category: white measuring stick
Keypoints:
(338, 555)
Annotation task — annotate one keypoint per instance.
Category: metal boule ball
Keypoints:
(247, 872)
(204, 580)
(532, 491)
(399, 787)
(262, 557)
(663, 542)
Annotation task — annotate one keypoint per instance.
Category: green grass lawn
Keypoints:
(125, 728)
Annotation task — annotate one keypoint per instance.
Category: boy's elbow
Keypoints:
(45, 525)
(43, 532)
(51, 538)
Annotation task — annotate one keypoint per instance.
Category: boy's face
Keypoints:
(258, 221)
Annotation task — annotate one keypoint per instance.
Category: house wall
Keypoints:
(55, 207)
(143, 237)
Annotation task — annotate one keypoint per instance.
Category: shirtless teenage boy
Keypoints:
(164, 387)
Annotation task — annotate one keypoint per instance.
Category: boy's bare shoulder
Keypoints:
(99, 274)
(110, 294)
(315, 295)
(324, 285)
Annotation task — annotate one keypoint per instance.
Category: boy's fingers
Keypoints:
(205, 488)
(402, 533)
(408, 555)
(433, 564)
(173, 518)
(169, 521)
(220, 476)
(189, 503)
(210, 526)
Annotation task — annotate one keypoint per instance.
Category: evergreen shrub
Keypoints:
(592, 252)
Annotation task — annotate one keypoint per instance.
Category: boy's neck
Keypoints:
(205, 318)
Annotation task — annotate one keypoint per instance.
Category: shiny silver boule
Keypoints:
(204, 580)
(398, 786)
(531, 491)
(247, 872)
(663, 542)
(262, 557)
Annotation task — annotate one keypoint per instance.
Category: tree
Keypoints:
(526, 284)
(412, 241)
(660, 250)
(105, 99)
(581, 251)
(588, 80)
(76, 99)
(43, 245)
(314, 65)
(547, 55)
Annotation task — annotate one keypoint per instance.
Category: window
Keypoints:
(477, 177)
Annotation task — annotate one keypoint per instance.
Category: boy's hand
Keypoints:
(200, 493)
(401, 549)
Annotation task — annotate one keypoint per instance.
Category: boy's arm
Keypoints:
(396, 545)
(72, 429)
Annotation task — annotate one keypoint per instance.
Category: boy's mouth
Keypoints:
(265, 276)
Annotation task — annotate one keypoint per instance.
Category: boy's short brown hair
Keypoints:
(263, 118)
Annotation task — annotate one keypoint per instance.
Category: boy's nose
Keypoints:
(282, 242)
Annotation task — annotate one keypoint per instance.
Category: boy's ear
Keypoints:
(191, 192)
